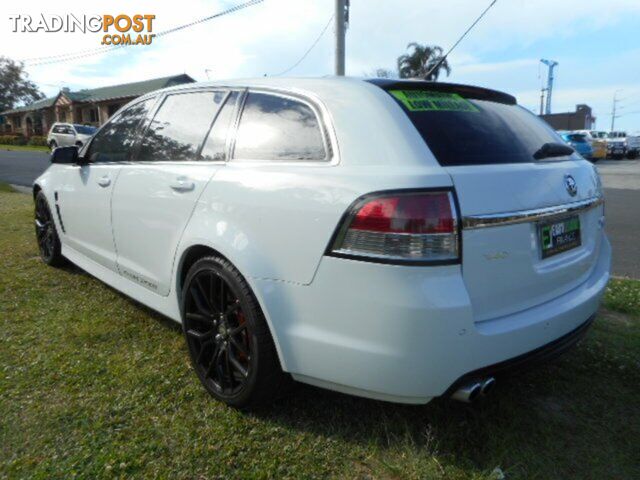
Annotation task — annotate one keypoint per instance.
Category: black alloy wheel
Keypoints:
(46, 234)
(229, 342)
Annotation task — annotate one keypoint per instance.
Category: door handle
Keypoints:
(104, 181)
(182, 185)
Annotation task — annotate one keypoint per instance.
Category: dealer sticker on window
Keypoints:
(426, 101)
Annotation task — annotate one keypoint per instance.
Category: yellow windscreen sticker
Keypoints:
(426, 101)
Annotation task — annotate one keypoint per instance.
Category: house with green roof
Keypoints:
(87, 107)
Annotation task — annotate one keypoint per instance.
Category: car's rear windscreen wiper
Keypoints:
(552, 149)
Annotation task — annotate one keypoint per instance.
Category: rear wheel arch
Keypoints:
(190, 256)
(194, 253)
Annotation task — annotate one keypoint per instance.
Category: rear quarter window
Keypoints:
(278, 128)
(466, 131)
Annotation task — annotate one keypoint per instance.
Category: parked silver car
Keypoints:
(69, 134)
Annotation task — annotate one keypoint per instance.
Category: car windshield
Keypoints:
(468, 131)
(577, 137)
(85, 129)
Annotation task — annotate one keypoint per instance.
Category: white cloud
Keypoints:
(271, 36)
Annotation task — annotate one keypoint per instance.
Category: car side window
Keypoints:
(180, 126)
(215, 148)
(114, 141)
(278, 128)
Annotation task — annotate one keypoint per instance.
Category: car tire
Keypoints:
(53, 145)
(46, 233)
(79, 145)
(227, 336)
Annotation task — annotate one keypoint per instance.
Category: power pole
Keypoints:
(551, 64)
(614, 108)
(340, 33)
(542, 90)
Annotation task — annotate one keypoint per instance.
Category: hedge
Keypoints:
(12, 140)
(37, 141)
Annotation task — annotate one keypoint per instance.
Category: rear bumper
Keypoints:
(408, 334)
(527, 360)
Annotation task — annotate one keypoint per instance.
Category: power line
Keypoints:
(87, 53)
(437, 65)
(308, 50)
(634, 112)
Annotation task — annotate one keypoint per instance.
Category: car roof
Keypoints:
(321, 85)
(351, 107)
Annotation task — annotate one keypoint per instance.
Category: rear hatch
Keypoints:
(531, 226)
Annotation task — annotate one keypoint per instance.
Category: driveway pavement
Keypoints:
(621, 180)
(22, 168)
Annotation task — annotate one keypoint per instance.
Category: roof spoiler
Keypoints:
(467, 91)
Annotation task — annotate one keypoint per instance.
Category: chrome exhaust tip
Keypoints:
(468, 393)
(487, 385)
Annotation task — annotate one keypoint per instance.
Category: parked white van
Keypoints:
(67, 134)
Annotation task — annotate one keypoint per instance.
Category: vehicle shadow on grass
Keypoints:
(523, 427)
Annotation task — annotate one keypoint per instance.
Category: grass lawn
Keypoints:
(92, 385)
(24, 148)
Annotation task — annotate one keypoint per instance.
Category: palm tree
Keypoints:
(425, 61)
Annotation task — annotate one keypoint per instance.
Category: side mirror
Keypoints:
(65, 155)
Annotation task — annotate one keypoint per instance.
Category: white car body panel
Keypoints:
(348, 325)
(151, 206)
(85, 198)
(519, 277)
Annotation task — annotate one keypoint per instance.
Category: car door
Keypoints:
(66, 136)
(85, 198)
(182, 147)
(59, 134)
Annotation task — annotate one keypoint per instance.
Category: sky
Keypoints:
(596, 43)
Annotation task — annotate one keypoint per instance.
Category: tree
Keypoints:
(420, 62)
(15, 86)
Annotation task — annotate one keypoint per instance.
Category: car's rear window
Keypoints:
(85, 129)
(468, 131)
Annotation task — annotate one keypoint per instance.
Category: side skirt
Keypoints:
(167, 306)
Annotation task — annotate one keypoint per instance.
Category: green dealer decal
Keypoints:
(426, 101)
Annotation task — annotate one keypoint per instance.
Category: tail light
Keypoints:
(411, 227)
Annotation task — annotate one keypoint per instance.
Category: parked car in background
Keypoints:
(598, 142)
(69, 134)
(579, 142)
(620, 144)
(398, 240)
(599, 134)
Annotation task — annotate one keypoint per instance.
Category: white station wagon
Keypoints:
(398, 240)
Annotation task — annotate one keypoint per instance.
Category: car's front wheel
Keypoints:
(227, 336)
(46, 234)
(53, 145)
